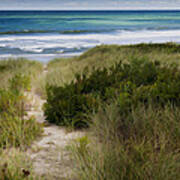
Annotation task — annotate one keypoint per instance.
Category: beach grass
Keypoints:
(11, 67)
(134, 132)
(127, 96)
(142, 145)
(17, 130)
(63, 71)
(16, 165)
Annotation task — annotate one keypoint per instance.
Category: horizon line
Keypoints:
(89, 9)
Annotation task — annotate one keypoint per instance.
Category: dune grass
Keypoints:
(16, 165)
(142, 145)
(17, 131)
(63, 71)
(134, 133)
(11, 67)
(132, 94)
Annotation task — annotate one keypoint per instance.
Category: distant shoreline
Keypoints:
(106, 10)
(96, 10)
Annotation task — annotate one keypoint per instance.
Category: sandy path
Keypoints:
(49, 154)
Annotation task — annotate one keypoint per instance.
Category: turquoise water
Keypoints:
(49, 34)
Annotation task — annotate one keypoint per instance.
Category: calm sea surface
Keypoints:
(43, 35)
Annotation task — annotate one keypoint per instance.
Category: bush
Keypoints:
(140, 80)
(67, 106)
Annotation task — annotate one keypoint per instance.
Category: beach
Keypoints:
(45, 35)
(89, 95)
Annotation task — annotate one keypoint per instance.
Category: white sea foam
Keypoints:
(3, 45)
(96, 36)
(60, 42)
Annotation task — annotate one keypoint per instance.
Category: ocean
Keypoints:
(44, 35)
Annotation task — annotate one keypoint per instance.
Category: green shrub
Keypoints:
(62, 71)
(72, 108)
(139, 80)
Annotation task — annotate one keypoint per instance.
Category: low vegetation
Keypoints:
(10, 67)
(17, 130)
(128, 96)
(144, 144)
(16, 165)
(62, 71)
(138, 80)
